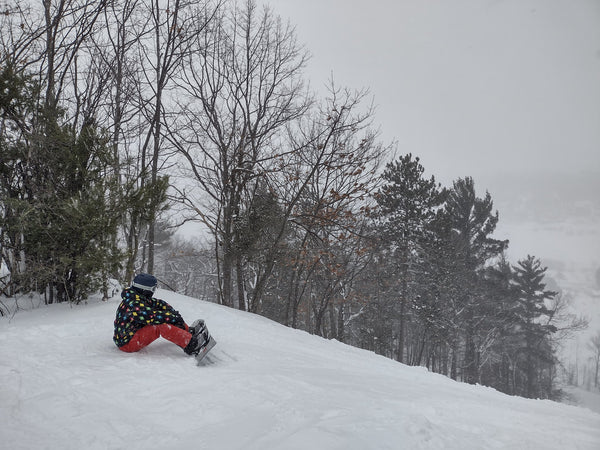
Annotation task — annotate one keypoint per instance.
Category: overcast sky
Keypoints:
(484, 88)
(473, 87)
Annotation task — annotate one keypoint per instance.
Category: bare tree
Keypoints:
(173, 25)
(243, 84)
(326, 186)
(68, 25)
(117, 52)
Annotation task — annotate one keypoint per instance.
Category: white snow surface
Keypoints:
(66, 386)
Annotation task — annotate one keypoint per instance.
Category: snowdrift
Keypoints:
(66, 386)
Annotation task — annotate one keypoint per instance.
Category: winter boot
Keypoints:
(200, 338)
(197, 327)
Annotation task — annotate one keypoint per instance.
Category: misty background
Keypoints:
(505, 91)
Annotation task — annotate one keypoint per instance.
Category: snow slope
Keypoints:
(65, 386)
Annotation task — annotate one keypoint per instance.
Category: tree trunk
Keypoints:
(403, 301)
(241, 289)
(318, 322)
(597, 367)
(227, 269)
(470, 363)
(340, 323)
(154, 171)
(401, 332)
(332, 322)
(454, 364)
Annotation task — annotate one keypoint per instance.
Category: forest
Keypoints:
(122, 120)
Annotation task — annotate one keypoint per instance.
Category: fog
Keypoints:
(504, 91)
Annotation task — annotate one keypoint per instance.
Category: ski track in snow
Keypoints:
(264, 386)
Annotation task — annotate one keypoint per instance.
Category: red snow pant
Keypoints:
(150, 333)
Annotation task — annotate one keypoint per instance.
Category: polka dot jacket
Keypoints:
(138, 310)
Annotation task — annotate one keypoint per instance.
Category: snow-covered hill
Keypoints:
(65, 386)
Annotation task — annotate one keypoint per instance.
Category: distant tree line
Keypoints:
(121, 120)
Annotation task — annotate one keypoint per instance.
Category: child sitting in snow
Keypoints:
(141, 319)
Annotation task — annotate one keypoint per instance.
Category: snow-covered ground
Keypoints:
(66, 386)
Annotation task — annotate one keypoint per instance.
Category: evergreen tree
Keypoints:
(407, 204)
(504, 346)
(471, 222)
(57, 229)
(441, 288)
(534, 326)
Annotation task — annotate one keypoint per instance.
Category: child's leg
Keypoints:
(150, 333)
(142, 338)
(174, 334)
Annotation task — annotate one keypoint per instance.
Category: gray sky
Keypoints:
(492, 89)
(473, 87)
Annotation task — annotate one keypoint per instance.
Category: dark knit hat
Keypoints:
(145, 282)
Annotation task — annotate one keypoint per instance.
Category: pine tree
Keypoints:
(57, 228)
(407, 204)
(502, 296)
(534, 325)
(471, 222)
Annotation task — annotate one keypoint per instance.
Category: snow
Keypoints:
(65, 385)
